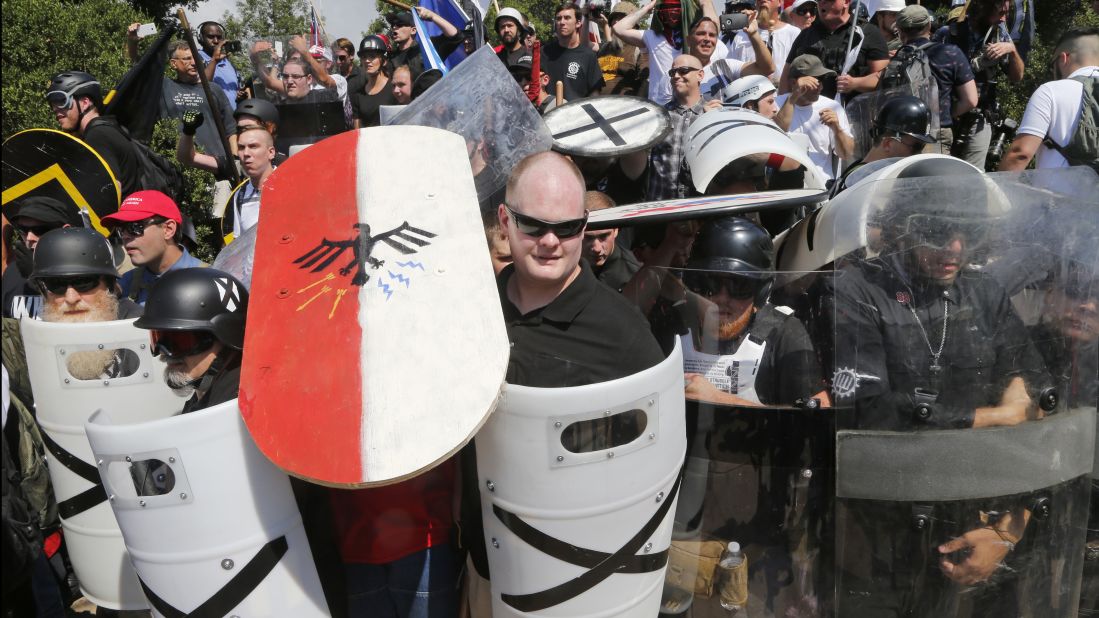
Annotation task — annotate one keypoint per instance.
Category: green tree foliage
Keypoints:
(163, 8)
(265, 18)
(46, 37)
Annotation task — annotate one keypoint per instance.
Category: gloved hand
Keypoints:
(191, 122)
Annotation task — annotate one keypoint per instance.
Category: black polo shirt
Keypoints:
(588, 334)
(831, 48)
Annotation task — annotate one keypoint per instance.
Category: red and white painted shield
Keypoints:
(375, 346)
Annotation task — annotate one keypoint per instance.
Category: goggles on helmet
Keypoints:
(180, 343)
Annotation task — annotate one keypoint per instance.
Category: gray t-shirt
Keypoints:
(179, 98)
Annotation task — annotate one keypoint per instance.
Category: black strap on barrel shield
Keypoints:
(600, 565)
(234, 592)
(89, 498)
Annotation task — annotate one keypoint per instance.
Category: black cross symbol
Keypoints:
(602, 123)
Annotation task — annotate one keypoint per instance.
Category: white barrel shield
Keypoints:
(68, 366)
(578, 491)
(210, 524)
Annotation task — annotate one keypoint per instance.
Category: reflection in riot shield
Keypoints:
(480, 101)
(863, 111)
(760, 477)
(962, 466)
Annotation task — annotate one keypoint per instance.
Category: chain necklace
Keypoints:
(934, 367)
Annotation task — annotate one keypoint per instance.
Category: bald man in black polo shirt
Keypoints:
(565, 328)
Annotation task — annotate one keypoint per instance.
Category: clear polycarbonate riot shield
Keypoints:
(863, 110)
(480, 100)
(211, 526)
(76, 369)
(966, 426)
(578, 488)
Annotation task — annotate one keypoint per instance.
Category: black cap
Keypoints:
(73, 252)
(47, 210)
(523, 65)
(424, 81)
(403, 18)
(202, 299)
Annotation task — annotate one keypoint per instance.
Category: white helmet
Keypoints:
(720, 137)
(509, 13)
(894, 6)
(746, 89)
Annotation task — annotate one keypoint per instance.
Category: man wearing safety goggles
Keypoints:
(75, 99)
(196, 321)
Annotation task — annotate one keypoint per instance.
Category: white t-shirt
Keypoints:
(719, 73)
(806, 121)
(341, 86)
(779, 42)
(1054, 111)
(661, 57)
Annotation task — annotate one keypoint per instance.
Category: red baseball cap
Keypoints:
(142, 205)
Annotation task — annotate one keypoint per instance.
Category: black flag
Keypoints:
(135, 101)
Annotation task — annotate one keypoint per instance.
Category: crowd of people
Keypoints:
(911, 338)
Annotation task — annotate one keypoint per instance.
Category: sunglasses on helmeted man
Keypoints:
(709, 284)
(533, 226)
(60, 285)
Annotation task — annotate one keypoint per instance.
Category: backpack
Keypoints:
(910, 68)
(1083, 147)
(157, 172)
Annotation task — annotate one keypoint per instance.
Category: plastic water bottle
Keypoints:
(733, 570)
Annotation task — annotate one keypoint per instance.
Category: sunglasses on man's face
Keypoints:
(682, 71)
(60, 285)
(137, 228)
(806, 10)
(180, 343)
(532, 226)
(38, 230)
(710, 285)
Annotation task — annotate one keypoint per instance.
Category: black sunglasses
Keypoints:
(710, 285)
(681, 71)
(137, 228)
(37, 230)
(180, 343)
(61, 285)
(805, 10)
(532, 226)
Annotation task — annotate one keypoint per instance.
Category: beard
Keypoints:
(179, 381)
(103, 307)
(89, 365)
(733, 329)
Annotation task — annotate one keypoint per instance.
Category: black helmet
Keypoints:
(905, 115)
(74, 84)
(203, 299)
(73, 251)
(737, 246)
(260, 108)
(373, 42)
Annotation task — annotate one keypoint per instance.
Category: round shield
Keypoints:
(707, 206)
(607, 126)
(45, 162)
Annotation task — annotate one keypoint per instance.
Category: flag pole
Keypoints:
(200, 64)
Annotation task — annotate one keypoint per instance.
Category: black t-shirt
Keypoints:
(366, 106)
(578, 68)
(20, 297)
(831, 48)
(511, 57)
(104, 136)
(444, 46)
(588, 334)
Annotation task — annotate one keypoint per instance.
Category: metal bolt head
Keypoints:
(142, 346)
(61, 351)
(111, 497)
(495, 543)
(920, 522)
(99, 462)
(659, 496)
(101, 346)
(610, 455)
(560, 458)
(652, 435)
(142, 503)
(227, 564)
(106, 382)
(652, 402)
(606, 412)
(183, 495)
(67, 380)
(807, 473)
(144, 374)
(128, 458)
(557, 424)
(648, 547)
(171, 460)
(491, 486)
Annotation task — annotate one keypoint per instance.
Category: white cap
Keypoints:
(798, 3)
(745, 89)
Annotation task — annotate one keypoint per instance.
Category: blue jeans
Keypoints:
(422, 585)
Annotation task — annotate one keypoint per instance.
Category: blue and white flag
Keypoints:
(452, 11)
(427, 50)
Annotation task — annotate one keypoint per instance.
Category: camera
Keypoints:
(231, 47)
(733, 22)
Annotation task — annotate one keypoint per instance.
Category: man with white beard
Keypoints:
(74, 269)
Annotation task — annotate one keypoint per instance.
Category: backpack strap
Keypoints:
(1047, 141)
